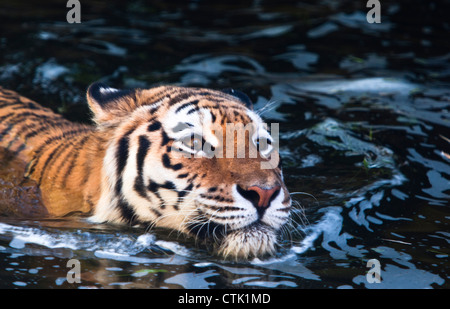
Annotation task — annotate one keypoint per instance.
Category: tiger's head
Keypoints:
(198, 161)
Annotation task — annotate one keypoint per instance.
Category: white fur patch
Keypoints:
(273, 216)
(255, 241)
(107, 90)
(104, 211)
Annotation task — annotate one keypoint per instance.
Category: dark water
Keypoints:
(364, 113)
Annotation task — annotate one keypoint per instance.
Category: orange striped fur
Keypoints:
(64, 158)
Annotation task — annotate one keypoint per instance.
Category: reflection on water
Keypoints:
(364, 119)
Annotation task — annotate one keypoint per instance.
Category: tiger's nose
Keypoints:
(259, 197)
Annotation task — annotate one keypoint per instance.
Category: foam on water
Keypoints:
(367, 85)
(115, 246)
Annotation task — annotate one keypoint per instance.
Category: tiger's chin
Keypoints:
(249, 242)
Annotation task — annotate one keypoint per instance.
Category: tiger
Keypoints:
(139, 164)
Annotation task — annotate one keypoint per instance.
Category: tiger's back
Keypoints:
(52, 148)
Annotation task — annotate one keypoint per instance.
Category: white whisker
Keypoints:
(271, 104)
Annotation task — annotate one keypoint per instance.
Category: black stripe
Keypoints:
(121, 158)
(18, 150)
(7, 129)
(122, 154)
(10, 101)
(42, 129)
(12, 121)
(11, 142)
(184, 191)
(168, 185)
(215, 96)
(30, 128)
(153, 109)
(154, 187)
(144, 145)
(156, 213)
(213, 116)
(118, 187)
(17, 118)
(154, 126)
(127, 212)
(220, 208)
(48, 142)
(2, 118)
(218, 198)
(184, 105)
(11, 104)
(38, 153)
(181, 97)
(165, 138)
(79, 147)
(193, 178)
(57, 150)
(165, 93)
(193, 110)
(167, 164)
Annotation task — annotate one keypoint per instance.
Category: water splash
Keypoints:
(116, 245)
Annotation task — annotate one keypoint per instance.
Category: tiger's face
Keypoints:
(194, 160)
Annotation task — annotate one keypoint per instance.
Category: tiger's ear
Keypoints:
(241, 96)
(109, 103)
